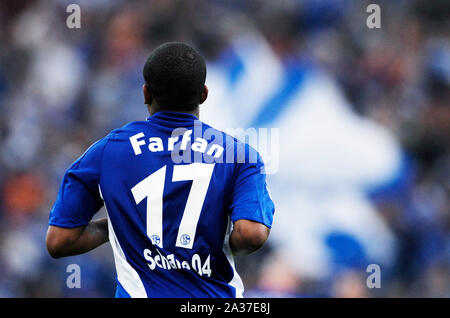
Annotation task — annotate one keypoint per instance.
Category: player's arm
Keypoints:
(251, 208)
(248, 236)
(72, 229)
(73, 241)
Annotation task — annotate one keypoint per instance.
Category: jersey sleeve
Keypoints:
(250, 196)
(78, 197)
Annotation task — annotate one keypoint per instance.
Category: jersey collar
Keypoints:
(172, 118)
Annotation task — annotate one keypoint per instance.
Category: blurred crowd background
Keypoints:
(361, 170)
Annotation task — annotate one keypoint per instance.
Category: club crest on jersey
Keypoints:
(185, 239)
(155, 239)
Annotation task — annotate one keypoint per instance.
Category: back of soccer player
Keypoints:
(181, 196)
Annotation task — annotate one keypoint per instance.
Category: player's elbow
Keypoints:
(57, 241)
(248, 236)
(54, 247)
(257, 237)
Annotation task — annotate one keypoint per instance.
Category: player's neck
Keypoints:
(152, 109)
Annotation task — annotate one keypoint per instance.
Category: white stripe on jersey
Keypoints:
(236, 281)
(126, 274)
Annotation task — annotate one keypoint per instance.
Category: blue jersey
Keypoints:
(172, 187)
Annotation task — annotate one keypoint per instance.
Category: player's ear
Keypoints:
(204, 95)
(147, 94)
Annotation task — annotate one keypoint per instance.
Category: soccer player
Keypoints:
(182, 198)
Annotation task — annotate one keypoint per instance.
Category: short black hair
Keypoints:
(176, 74)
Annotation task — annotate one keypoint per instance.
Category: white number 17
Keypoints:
(152, 188)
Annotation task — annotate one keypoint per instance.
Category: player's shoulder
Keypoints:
(242, 151)
(115, 134)
(126, 130)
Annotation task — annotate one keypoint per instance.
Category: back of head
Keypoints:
(175, 74)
